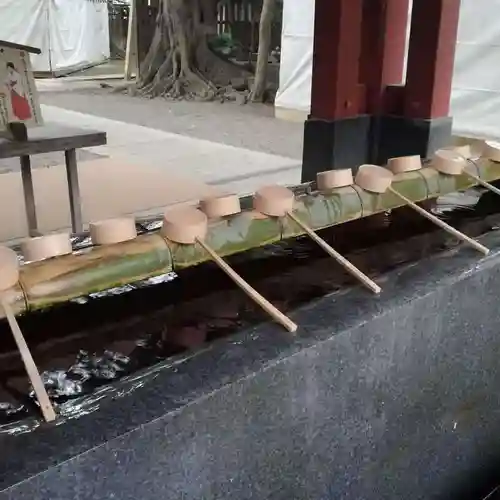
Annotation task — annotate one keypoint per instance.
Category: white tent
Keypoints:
(476, 83)
(71, 33)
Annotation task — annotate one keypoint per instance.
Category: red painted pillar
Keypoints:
(337, 132)
(337, 48)
(384, 30)
(431, 57)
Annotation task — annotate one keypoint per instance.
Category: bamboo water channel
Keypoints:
(87, 347)
(57, 280)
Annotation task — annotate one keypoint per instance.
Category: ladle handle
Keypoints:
(36, 381)
(278, 316)
(451, 230)
(339, 258)
(485, 184)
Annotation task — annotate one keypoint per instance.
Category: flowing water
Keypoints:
(107, 344)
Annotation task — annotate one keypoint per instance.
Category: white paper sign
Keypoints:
(18, 95)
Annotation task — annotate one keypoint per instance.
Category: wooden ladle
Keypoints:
(45, 247)
(377, 179)
(216, 207)
(277, 201)
(9, 276)
(188, 226)
(112, 231)
(404, 164)
(491, 150)
(332, 179)
(452, 162)
(465, 151)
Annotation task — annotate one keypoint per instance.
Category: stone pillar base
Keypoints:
(394, 136)
(335, 144)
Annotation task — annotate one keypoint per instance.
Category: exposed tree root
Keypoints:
(180, 63)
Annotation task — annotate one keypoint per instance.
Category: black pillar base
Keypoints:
(394, 136)
(350, 142)
(335, 144)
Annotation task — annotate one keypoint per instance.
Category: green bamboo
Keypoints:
(60, 279)
(320, 210)
(228, 236)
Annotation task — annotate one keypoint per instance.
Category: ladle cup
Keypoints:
(216, 207)
(334, 179)
(112, 231)
(403, 164)
(188, 226)
(452, 162)
(491, 150)
(376, 179)
(45, 247)
(277, 201)
(9, 276)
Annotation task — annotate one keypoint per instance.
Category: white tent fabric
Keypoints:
(294, 93)
(70, 33)
(476, 82)
(475, 103)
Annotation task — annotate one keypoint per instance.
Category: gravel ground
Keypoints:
(248, 126)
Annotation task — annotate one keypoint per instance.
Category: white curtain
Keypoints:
(70, 33)
(294, 91)
(476, 83)
(79, 32)
(26, 22)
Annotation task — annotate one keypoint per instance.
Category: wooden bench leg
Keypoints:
(29, 196)
(73, 191)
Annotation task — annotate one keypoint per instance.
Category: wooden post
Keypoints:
(384, 30)
(431, 58)
(337, 132)
(131, 56)
(337, 49)
(415, 116)
(75, 204)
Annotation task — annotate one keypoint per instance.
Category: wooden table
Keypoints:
(48, 139)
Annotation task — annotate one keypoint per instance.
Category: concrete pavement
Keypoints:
(235, 169)
(250, 126)
(140, 170)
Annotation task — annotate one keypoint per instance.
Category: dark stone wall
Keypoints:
(395, 397)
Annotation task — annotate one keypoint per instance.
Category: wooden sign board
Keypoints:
(19, 101)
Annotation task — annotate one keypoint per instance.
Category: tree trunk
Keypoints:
(180, 61)
(266, 19)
